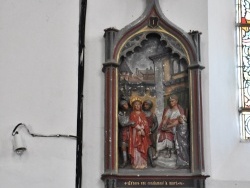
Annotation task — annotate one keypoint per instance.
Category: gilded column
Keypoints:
(196, 133)
(110, 69)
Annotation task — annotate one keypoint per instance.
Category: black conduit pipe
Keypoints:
(81, 58)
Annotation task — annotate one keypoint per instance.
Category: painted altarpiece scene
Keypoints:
(153, 110)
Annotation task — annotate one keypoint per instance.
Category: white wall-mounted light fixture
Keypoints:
(18, 143)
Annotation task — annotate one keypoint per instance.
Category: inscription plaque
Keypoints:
(155, 183)
(123, 181)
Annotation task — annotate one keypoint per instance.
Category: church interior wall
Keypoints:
(38, 75)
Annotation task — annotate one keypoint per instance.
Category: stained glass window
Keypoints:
(243, 49)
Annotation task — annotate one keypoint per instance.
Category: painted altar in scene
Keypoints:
(153, 110)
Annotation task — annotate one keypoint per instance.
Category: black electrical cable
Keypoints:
(39, 135)
(81, 58)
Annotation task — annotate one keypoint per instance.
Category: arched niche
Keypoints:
(153, 60)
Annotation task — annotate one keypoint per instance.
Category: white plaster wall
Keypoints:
(38, 86)
(229, 165)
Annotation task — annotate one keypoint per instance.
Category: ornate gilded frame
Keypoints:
(118, 43)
